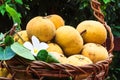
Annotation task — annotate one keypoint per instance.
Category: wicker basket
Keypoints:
(39, 70)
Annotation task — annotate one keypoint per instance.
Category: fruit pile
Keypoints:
(76, 45)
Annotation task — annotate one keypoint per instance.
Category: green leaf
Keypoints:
(52, 59)
(1, 53)
(8, 40)
(116, 32)
(42, 55)
(106, 1)
(22, 51)
(19, 1)
(118, 69)
(1, 38)
(2, 9)
(117, 27)
(6, 54)
(7, 1)
(14, 14)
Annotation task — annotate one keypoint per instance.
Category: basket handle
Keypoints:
(95, 5)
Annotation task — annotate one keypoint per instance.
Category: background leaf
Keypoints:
(6, 54)
(2, 9)
(14, 14)
(22, 51)
(106, 1)
(19, 1)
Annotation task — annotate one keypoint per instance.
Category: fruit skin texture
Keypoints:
(95, 52)
(69, 39)
(41, 27)
(60, 57)
(9, 76)
(3, 72)
(57, 20)
(95, 31)
(23, 35)
(53, 47)
(78, 60)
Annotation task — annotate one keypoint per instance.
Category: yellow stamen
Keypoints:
(35, 51)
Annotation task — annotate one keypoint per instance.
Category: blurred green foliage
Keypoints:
(72, 11)
(9, 7)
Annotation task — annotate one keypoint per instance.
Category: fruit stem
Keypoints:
(46, 17)
(19, 36)
(83, 32)
(12, 30)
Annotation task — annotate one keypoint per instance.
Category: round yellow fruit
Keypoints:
(53, 47)
(78, 60)
(57, 20)
(42, 28)
(69, 39)
(60, 57)
(9, 76)
(3, 72)
(95, 52)
(92, 31)
(21, 36)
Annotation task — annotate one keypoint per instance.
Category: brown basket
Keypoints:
(39, 70)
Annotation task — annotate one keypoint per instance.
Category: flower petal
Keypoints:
(43, 45)
(28, 45)
(35, 42)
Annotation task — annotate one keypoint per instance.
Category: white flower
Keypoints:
(36, 45)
